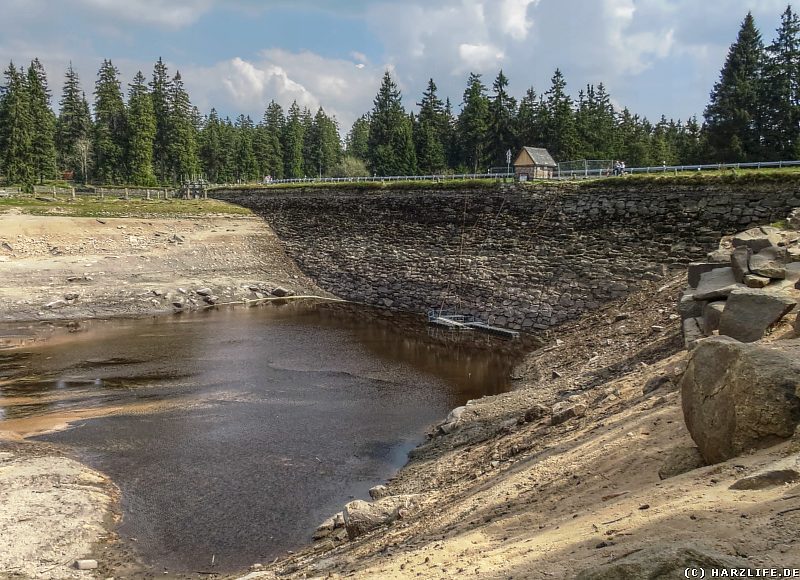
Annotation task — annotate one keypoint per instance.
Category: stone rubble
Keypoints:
(746, 296)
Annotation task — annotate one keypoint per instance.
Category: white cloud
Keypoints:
(514, 17)
(174, 13)
(479, 56)
(342, 89)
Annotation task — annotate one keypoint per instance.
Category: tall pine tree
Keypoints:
(473, 124)
(429, 132)
(560, 133)
(160, 90)
(293, 137)
(501, 131)
(182, 157)
(110, 133)
(733, 117)
(780, 93)
(74, 128)
(141, 133)
(43, 121)
(357, 140)
(269, 150)
(16, 129)
(391, 145)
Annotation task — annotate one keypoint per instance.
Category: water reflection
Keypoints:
(261, 422)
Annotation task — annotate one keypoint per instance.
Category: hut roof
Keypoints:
(540, 157)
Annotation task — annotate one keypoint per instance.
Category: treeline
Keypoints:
(154, 135)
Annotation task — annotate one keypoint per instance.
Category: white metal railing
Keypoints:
(440, 177)
(594, 173)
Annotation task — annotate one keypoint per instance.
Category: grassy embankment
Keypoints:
(790, 175)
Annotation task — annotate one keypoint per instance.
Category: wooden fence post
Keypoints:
(73, 192)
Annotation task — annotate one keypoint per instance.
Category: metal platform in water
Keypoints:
(483, 327)
(453, 321)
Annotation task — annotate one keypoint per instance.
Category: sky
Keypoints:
(654, 56)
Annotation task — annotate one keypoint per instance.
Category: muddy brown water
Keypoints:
(238, 431)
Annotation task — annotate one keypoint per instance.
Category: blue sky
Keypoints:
(655, 56)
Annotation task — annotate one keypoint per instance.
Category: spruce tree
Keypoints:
(141, 133)
(182, 160)
(501, 132)
(269, 150)
(160, 91)
(16, 130)
(357, 140)
(43, 122)
(244, 157)
(450, 136)
(293, 137)
(110, 133)
(325, 143)
(391, 145)
(429, 132)
(594, 123)
(733, 119)
(473, 124)
(211, 154)
(560, 133)
(74, 128)
(780, 91)
(529, 129)
(307, 120)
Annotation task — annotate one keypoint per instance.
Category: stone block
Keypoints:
(716, 284)
(688, 307)
(750, 312)
(770, 263)
(740, 262)
(696, 269)
(757, 239)
(692, 332)
(712, 313)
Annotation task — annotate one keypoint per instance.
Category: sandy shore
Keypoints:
(66, 268)
(55, 512)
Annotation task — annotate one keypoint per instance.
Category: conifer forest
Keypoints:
(148, 133)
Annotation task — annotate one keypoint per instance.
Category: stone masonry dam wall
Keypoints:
(522, 257)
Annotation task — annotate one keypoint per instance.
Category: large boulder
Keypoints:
(361, 517)
(738, 396)
(751, 311)
(663, 563)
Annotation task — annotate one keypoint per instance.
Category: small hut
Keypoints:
(534, 163)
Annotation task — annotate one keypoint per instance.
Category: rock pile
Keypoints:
(743, 290)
